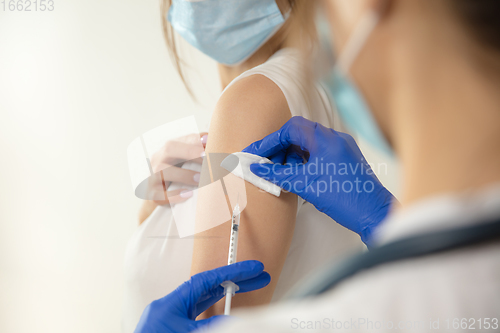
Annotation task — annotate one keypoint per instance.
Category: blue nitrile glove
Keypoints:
(177, 311)
(336, 179)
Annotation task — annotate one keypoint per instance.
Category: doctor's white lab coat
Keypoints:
(455, 291)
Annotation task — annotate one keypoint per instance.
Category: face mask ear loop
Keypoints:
(287, 15)
(292, 5)
(356, 42)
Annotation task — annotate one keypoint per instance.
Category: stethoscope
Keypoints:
(404, 249)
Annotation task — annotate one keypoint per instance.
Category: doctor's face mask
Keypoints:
(348, 99)
(228, 31)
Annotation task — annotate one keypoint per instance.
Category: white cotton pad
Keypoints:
(244, 160)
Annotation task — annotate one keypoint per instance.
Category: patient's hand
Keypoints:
(173, 152)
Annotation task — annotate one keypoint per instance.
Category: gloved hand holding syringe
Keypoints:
(230, 288)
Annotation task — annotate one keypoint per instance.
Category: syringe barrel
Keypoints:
(233, 246)
(233, 238)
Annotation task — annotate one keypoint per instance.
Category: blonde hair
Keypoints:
(300, 23)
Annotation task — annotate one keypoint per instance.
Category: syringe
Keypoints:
(230, 288)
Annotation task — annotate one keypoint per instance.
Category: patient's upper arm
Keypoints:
(249, 110)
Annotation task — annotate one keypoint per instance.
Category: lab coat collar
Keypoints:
(441, 212)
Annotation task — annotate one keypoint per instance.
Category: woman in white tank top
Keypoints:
(157, 260)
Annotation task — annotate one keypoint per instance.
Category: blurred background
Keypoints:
(77, 85)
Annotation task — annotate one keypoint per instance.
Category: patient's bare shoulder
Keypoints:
(247, 111)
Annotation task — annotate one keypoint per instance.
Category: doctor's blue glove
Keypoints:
(336, 178)
(177, 311)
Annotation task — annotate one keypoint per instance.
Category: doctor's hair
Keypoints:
(301, 22)
(481, 18)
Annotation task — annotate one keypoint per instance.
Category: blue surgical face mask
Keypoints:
(349, 101)
(228, 31)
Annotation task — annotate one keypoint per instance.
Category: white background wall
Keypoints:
(76, 86)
